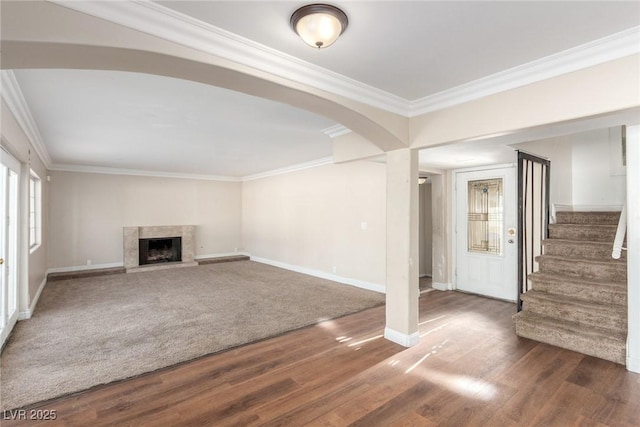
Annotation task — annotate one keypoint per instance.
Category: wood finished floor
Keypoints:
(468, 370)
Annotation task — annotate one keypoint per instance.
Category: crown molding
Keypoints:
(293, 168)
(12, 95)
(160, 174)
(166, 23)
(597, 52)
(157, 20)
(336, 130)
(139, 172)
(160, 21)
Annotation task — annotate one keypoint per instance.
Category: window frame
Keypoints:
(35, 211)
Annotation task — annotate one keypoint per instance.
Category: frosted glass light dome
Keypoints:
(319, 25)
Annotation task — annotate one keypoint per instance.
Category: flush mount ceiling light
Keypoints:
(319, 25)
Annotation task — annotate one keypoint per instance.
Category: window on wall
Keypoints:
(35, 214)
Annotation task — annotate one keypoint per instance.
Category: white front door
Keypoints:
(9, 174)
(486, 241)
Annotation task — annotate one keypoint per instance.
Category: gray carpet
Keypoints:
(95, 330)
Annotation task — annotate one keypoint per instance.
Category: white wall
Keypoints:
(329, 219)
(559, 152)
(585, 168)
(88, 212)
(633, 248)
(596, 182)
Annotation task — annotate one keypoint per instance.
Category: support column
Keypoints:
(402, 247)
(633, 247)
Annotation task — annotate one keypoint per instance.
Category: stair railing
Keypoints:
(622, 230)
(533, 215)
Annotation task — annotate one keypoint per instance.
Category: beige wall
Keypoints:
(33, 265)
(38, 258)
(591, 92)
(314, 219)
(88, 212)
(310, 219)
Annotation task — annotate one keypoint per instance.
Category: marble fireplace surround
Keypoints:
(131, 245)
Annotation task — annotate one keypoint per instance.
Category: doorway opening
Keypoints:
(425, 230)
(9, 185)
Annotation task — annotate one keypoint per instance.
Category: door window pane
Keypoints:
(35, 221)
(485, 216)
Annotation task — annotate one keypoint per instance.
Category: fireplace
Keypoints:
(156, 247)
(154, 251)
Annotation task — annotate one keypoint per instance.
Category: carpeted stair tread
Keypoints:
(593, 341)
(578, 280)
(615, 309)
(609, 270)
(583, 232)
(579, 249)
(608, 261)
(610, 316)
(590, 331)
(578, 296)
(590, 290)
(576, 217)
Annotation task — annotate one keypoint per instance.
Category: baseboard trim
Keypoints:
(221, 255)
(321, 274)
(442, 286)
(633, 364)
(24, 315)
(84, 267)
(121, 264)
(161, 266)
(400, 338)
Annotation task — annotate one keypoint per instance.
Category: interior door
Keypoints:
(9, 176)
(486, 240)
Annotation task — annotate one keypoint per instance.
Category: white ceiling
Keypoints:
(138, 121)
(408, 49)
(413, 49)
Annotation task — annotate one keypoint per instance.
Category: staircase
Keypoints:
(579, 295)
